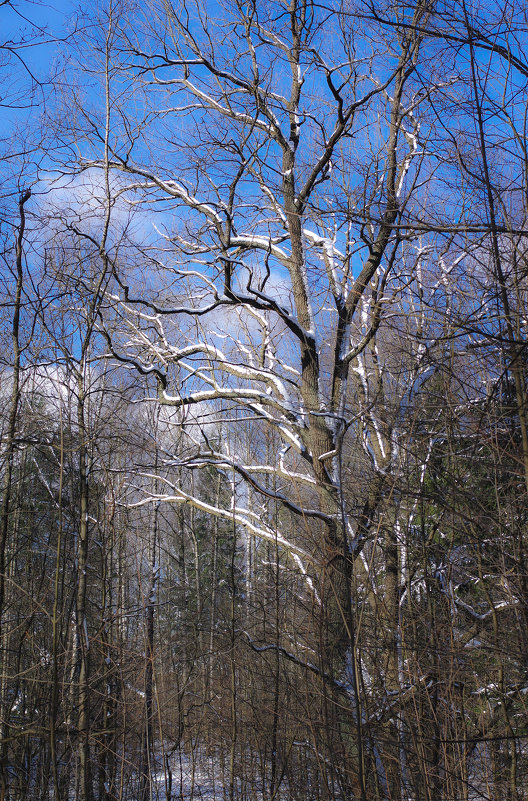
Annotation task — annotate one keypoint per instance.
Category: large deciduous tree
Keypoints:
(279, 146)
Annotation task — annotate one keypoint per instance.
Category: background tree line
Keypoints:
(264, 424)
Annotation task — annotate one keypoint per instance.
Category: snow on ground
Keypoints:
(190, 779)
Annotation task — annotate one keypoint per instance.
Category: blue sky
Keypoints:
(30, 39)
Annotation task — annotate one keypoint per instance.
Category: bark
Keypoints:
(7, 491)
(81, 613)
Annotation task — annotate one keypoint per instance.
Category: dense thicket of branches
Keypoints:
(264, 466)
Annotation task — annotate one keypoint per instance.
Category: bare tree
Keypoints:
(278, 111)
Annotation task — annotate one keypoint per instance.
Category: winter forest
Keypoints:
(264, 416)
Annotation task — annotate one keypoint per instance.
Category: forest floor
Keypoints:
(188, 778)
